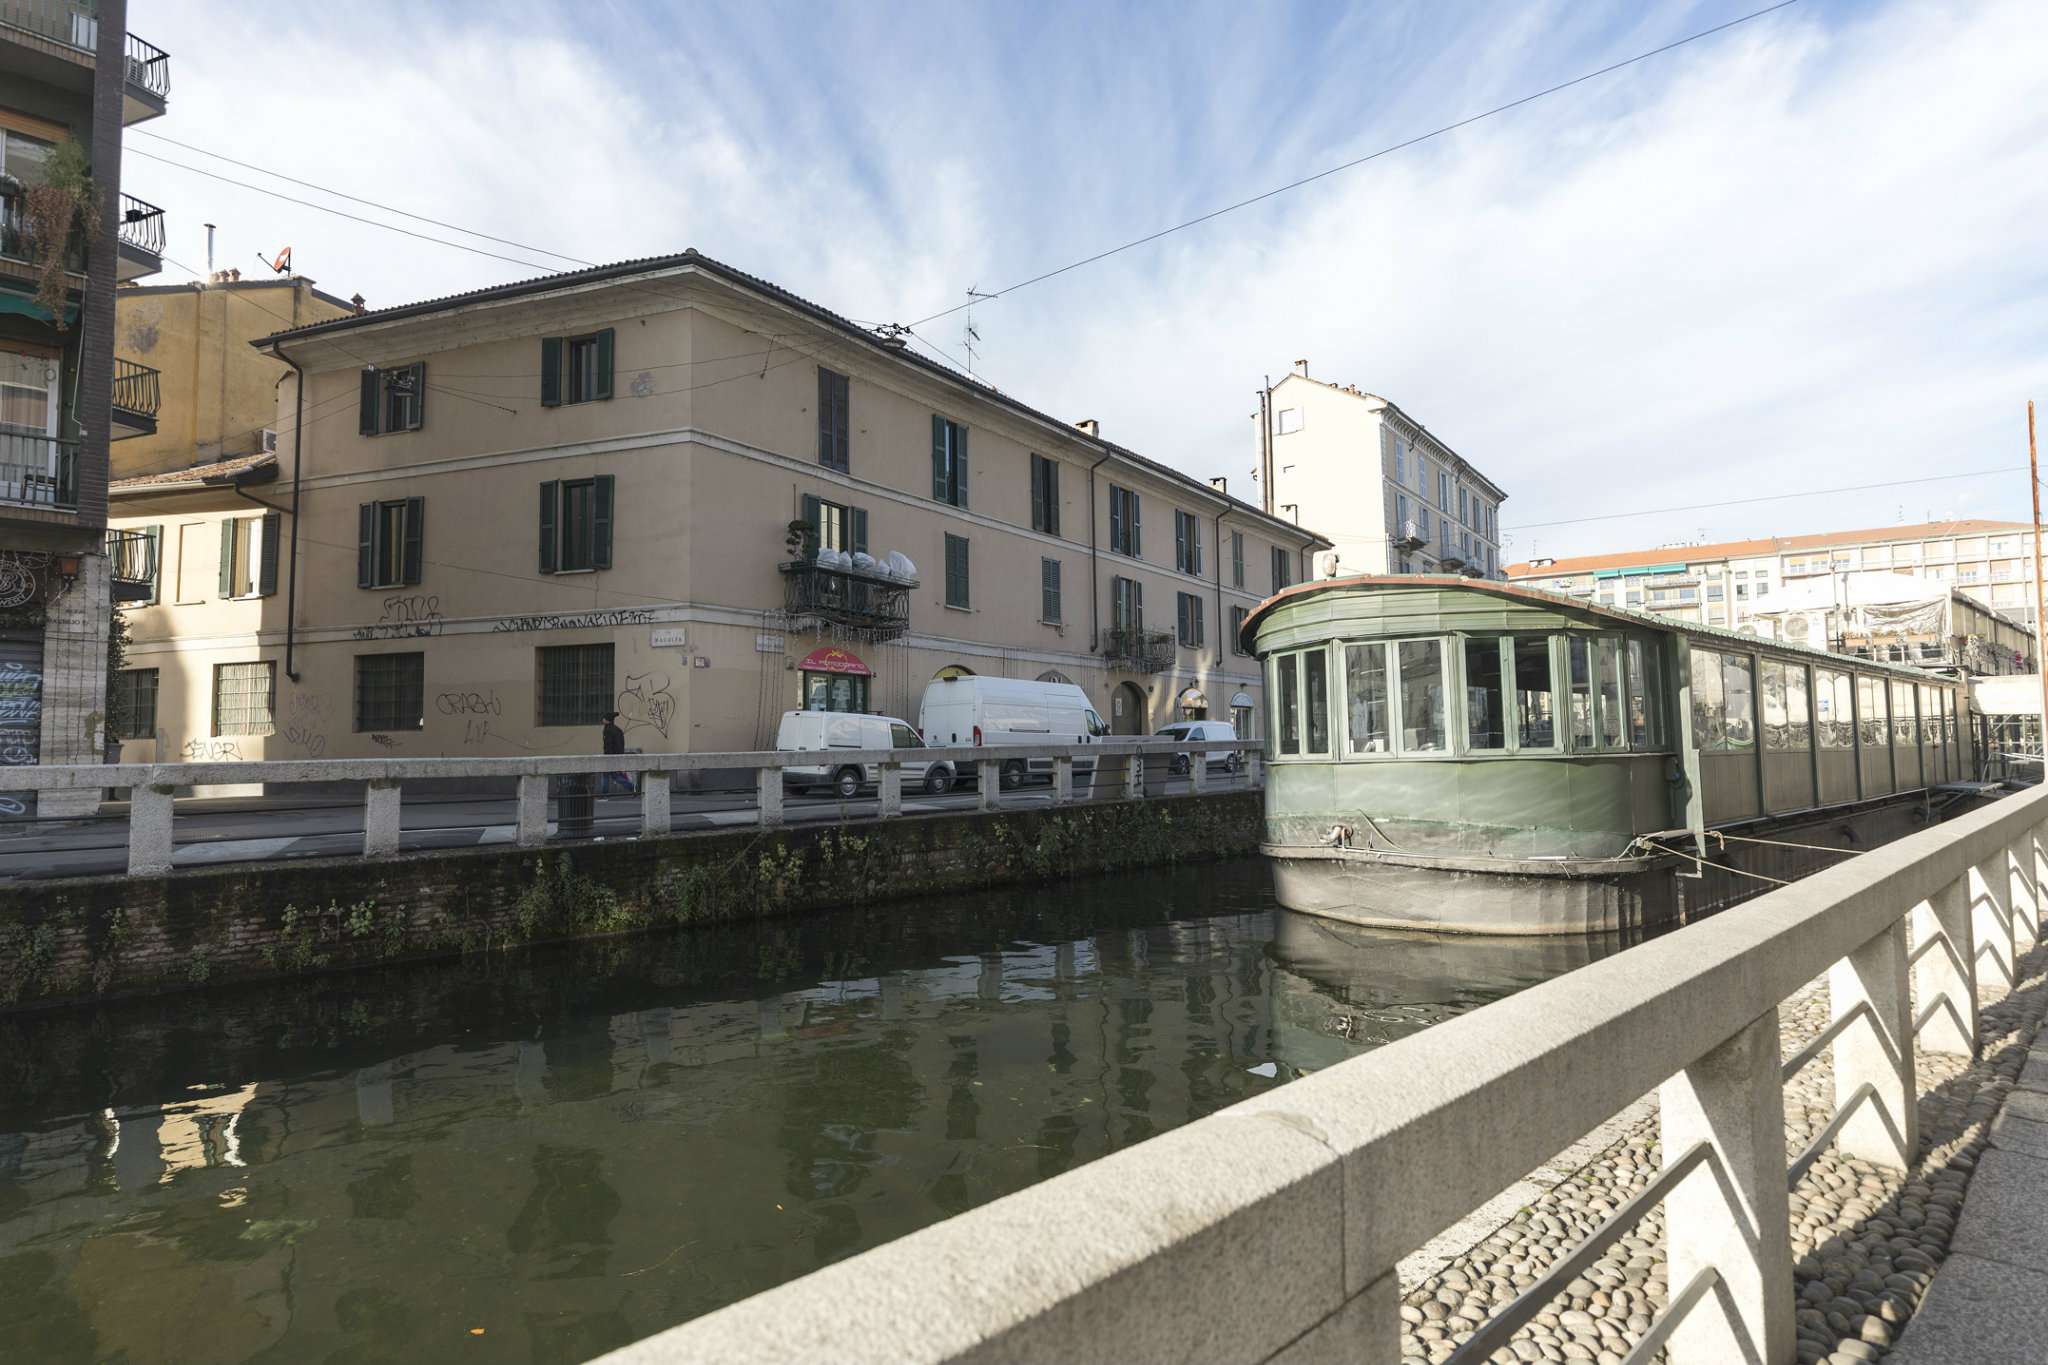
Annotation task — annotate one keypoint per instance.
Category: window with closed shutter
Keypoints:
(1282, 575)
(1237, 559)
(1049, 591)
(834, 418)
(1237, 615)
(1045, 495)
(1124, 538)
(1189, 614)
(1187, 543)
(956, 572)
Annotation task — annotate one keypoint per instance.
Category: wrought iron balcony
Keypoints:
(142, 238)
(75, 24)
(1138, 650)
(38, 471)
(1408, 536)
(149, 68)
(17, 232)
(1450, 559)
(136, 397)
(132, 557)
(869, 606)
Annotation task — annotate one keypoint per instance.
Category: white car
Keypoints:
(1214, 731)
(993, 712)
(821, 732)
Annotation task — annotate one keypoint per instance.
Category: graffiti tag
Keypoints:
(408, 616)
(212, 751)
(473, 703)
(646, 703)
(580, 620)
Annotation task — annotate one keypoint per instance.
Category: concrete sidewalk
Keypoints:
(1988, 1304)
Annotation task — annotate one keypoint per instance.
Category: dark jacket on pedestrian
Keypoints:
(614, 737)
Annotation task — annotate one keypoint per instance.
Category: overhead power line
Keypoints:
(1768, 497)
(981, 296)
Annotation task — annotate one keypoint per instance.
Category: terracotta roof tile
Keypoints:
(217, 471)
(1749, 549)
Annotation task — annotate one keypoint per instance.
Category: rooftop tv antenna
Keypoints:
(970, 338)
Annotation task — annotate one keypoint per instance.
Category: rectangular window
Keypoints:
(1421, 668)
(1045, 495)
(1535, 694)
(1049, 591)
(1288, 421)
(949, 462)
(576, 369)
(393, 400)
(1579, 668)
(248, 555)
(1464, 511)
(1123, 521)
(1776, 725)
(244, 699)
(1237, 559)
(838, 527)
(576, 524)
(1237, 615)
(835, 439)
(1188, 610)
(1315, 700)
(1798, 710)
(1400, 462)
(1187, 543)
(390, 692)
(131, 704)
(1126, 604)
(1282, 575)
(1834, 710)
(1645, 696)
(1905, 725)
(1365, 694)
(956, 571)
(389, 542)
(1709, 702)
(575, 684)
(1485, 696)
(1289, 710)
(1739, 690)
(1613, 730)
(1873, 720)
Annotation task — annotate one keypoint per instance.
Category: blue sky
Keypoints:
(1803, 254)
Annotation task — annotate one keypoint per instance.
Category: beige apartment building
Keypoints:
(1390, 495)
(673, 490)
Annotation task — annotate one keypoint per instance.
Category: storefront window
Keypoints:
(1485, 698)
(1535, 697)
(1365, 692)
(1421, 664)
(835, 692)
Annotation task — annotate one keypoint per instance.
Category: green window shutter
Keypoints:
(939, 458)
(366, 544)
(1116, 518)
(419, 396)
(1180, 542)
(551, 372)
(604, 364)
(1052, 497)
(1136, 548)
(857, 529)
(601, 523)
(415, 540)
(1037, 493)
(366, 414)
(227, 558)
(273, 526)
(960, 464)
(1137, 605)
(550, 500)
(812, 517)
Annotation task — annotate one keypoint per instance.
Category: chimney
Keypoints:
(356, 302)
(1091, 427)
(1221, 483)
(1301, 368)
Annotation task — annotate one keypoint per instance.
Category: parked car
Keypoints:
(1214, 731)
(972, 711)
(824, 731)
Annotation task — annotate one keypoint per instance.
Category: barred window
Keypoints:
(390, 691)
(245, 699)
(132, 704)
(575, 684)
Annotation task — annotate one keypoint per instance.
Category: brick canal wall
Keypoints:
(96, 938)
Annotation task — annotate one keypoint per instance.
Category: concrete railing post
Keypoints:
(1254, 769)
(988, 783)
(1062, 780)
(150, 822)
(383, 805)
(1134, 777)
(1945, 971)
(1991, 919)
(657, 804)
(1876, 1050)
(768, 796)
(1198, 771)
(1731, 1213)
(889, 789)
(532, 828)
(2026, 895)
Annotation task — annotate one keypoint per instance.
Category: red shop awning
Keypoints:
(829, 660)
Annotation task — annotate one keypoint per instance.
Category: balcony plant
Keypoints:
(802, 542)
(65, 198)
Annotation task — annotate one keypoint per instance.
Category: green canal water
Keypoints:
(535, 1158)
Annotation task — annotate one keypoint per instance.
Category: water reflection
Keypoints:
(570, 1150)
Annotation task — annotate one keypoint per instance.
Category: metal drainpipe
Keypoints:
(1094, 580)
(291, 592)
(1219, 587)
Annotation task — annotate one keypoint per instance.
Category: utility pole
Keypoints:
(2034, 486)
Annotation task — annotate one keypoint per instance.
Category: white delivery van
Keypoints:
(967, 711)
(1214, 730)
(821, 732)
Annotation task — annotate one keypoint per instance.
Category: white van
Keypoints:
(969, 711)
(1212, 730)
(823, 731)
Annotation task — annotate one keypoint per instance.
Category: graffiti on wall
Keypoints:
(646, 703)
(212, 751)
(575, 620)
(407, 616)
(469, 702)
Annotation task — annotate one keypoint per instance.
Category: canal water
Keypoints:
(538, 1157)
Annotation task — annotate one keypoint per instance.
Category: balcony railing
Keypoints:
(142, 225)
(132, 557)
(17, 233)
(149, 66)
(1138, 650)
(1408, 536)
(38, 471)
(74, 23)
(873, 606)
(136, 389)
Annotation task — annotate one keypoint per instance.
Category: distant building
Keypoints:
(1777, 583)
(1389, 495)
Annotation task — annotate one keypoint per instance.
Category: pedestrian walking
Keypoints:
(615, 743)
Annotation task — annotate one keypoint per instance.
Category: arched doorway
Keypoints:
(1241, 714)
(1053, 675)
(952, 671)
(1193, 705)
(1127, 710)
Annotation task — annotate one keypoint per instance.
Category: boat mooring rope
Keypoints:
(1703, 864)
(1782, 843)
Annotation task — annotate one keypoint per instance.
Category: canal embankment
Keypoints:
(97, 938)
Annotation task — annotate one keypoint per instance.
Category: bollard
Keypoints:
(889, 789)
(988, 783)
(657, 803)
(382, 807)
(1991, 920)
(1945, 971)
(1062, 780)
(2026, 896)
(150, 823)
(532, 806)
(1731, 1213)
(1877, 1050)
(768, 796)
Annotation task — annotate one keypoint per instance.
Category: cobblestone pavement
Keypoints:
(1865, 1241)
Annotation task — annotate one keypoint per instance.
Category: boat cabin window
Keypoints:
(1723, 702)
(1287, 681)
(1485, 696)
(1834, 711)
(1930, 715)
(1579, 656)
(1421, 664)
(1535, 699)
(1366, 696)
(1316, 701)
(1607, 651)
(1872, 722)
(1787, 724)
(1645, 696)
(1905, 724)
